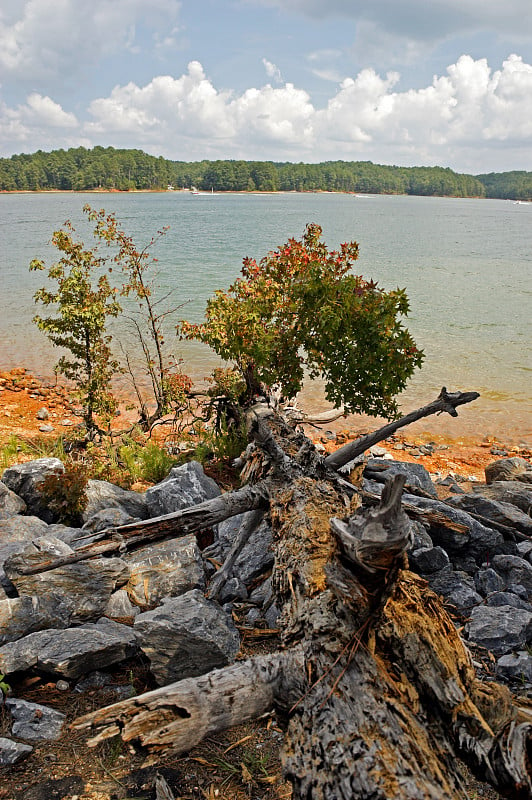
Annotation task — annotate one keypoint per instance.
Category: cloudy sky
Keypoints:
(393, 81)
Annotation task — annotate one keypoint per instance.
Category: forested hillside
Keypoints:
(79, 169)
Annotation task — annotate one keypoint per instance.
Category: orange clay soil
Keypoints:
(22, 396)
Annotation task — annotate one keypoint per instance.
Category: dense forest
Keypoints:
(79, 169)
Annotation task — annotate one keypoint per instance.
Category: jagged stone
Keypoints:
(15, 532)
(72, 652)
(11, 752)
(10, 503)
(256, 556)
(420, 536)
(506, 469)
(474, 544)
(103, 495)
(34, 722)
(514, 570)
(22, 615)
(233, 589)
(107, 518)
(488, 581)
(516, 666)
(428, 559)
(417, 477)
(164, 569)
(86, 585)
(186, 636)
(499, 512)
(501, 630)
(185, 486)
(507, 599)
(514, 492)
(25, 479)
(120, 607)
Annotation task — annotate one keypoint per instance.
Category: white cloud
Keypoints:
(472, 118)
(45, 39)
(272, 71)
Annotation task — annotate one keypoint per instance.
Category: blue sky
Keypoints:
(393, 81)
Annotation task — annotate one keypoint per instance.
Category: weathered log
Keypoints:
(177, 717)
(377, 690)
(445, 402)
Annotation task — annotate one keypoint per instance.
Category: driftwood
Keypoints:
(445, 402)
(373, 684)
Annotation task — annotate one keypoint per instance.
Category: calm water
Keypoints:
(466, 265)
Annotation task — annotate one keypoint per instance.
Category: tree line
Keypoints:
(81, 169)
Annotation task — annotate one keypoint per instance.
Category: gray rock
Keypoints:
(506, 469)
(494, 510)
(271, 616)
(417, 477)
(501, 630)
(164, 569)
(256, 556)
(120, 607)
(518, 494)
(10, 503)
(186, 636)
(20, 616)
(514, 570)
(15, 532)
(477, 541)
(507, 599)
(524, 549)
(185, 486)
(34, 722)
(516, 666)
(25, 479)
(103, 495)
(420, 536)
(448, 581)
(11, 752)
(233, 589)
(66, 534)
(85, 585)
(428, 559)
(42, 413)
(463, 598)
(107, 518)
(488, 581)
(72, 652)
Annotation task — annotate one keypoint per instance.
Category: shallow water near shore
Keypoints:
(466, 265)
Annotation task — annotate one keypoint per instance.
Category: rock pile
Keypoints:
(474, 549)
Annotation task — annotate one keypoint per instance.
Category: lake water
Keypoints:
(466, 265)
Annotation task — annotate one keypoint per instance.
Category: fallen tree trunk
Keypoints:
(377, 692)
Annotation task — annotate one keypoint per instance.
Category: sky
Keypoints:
(407, 82)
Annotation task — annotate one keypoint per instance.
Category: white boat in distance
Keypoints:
(196, 192)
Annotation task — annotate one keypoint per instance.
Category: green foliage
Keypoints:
(109, 168)
(64, 493)
(5, 688)
(83, 300)
(301, 308)
(155, 463)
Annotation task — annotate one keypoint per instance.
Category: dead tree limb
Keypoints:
(179, 523)
(445, 402)
(378, 694)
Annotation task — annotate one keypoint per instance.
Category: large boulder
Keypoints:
(186, 636)
(417, 477)
(164, 569)
(508, 469)
(514, 571)
(514, 492)
(86, 586)
(15, 533)
(20, 616)
(184, 487)
(103, 495)
(72, 652)
(493, 510)
(25, 480)
(502, 630)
